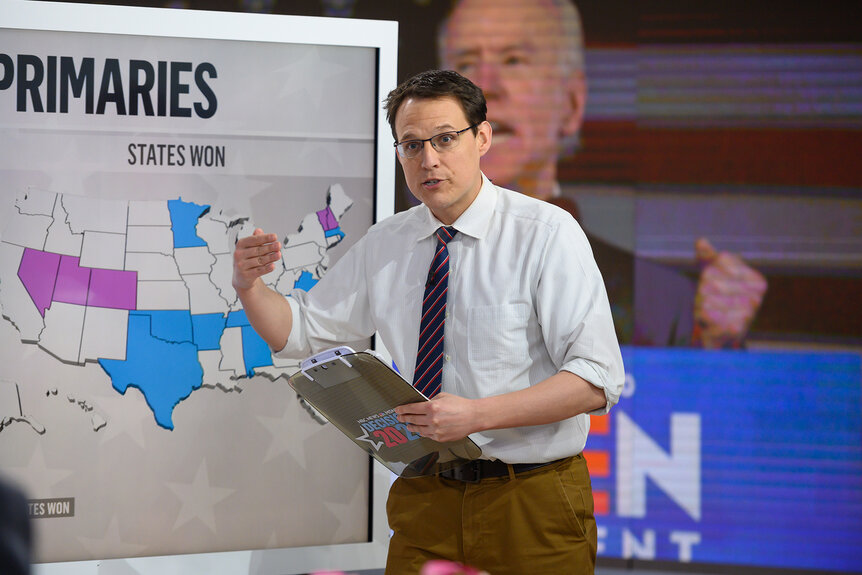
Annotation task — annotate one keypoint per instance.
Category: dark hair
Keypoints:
(435, 84)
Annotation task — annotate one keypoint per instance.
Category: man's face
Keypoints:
(512, 50)
(447, 182)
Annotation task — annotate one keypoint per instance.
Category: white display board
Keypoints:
(151, 429)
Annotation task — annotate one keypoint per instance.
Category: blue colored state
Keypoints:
(169, 325)
(305, 282)
(237, 319)
(334, 232)
(166, 373)
(184, 220)
(255, 351)
(207, 329)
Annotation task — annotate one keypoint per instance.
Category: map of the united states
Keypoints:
(143, 288)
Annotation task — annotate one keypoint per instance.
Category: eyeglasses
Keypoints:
(444, 142)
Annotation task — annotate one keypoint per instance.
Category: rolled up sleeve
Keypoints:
(573, 308)
(333, 312)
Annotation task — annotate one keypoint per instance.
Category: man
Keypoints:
(528, 59)
(522, 362)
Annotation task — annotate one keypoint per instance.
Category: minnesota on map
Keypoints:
(143, 288)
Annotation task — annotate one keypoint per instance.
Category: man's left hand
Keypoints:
(446, 417)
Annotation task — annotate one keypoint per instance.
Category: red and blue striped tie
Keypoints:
(429, 359)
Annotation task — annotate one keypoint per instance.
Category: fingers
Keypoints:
(704, 251)
(412, 409)
(254, 256)
(419, 417)
(725, 272)
(258, 238)
(257, 258)
(728, 297)
(728, 274)
(423, 407)
(445, 418)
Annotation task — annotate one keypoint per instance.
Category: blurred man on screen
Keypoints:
(528, 58)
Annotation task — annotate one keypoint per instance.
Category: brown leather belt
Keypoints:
(479, 469)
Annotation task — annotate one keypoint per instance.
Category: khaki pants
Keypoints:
(533, 523)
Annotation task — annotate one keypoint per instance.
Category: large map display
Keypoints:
(146, 293)
(139, 410)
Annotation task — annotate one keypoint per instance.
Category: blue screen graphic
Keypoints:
(751, 458)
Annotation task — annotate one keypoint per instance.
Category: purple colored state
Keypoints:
(38, 272)
(51, 277)
(114, 289)
(73, 282)
(327, 219)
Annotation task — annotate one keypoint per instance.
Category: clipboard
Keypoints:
(358, 394)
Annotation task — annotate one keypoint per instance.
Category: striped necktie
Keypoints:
(429, 359)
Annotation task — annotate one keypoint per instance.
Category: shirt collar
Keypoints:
(473, 222)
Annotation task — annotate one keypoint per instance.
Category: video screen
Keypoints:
(139, 410)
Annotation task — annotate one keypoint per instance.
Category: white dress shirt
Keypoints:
(525, 301)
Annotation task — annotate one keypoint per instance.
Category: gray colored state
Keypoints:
(11, 410)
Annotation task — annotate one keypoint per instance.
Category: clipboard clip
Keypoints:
(323, 358)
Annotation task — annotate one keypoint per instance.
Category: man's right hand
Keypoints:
(254, 256)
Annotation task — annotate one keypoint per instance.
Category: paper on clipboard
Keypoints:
(358, 393)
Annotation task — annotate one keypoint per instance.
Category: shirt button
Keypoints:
(448, 357)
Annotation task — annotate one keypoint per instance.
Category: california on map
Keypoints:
(143, 289)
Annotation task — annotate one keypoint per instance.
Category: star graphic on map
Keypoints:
(282, 429)
(111, 542)
(198, 499)
(126, 415)
(279, 428)
(39, 479)
(310, 63)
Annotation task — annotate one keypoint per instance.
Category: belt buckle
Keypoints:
(469, 473)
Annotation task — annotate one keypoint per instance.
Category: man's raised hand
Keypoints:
(254, 256)
(729, 294)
